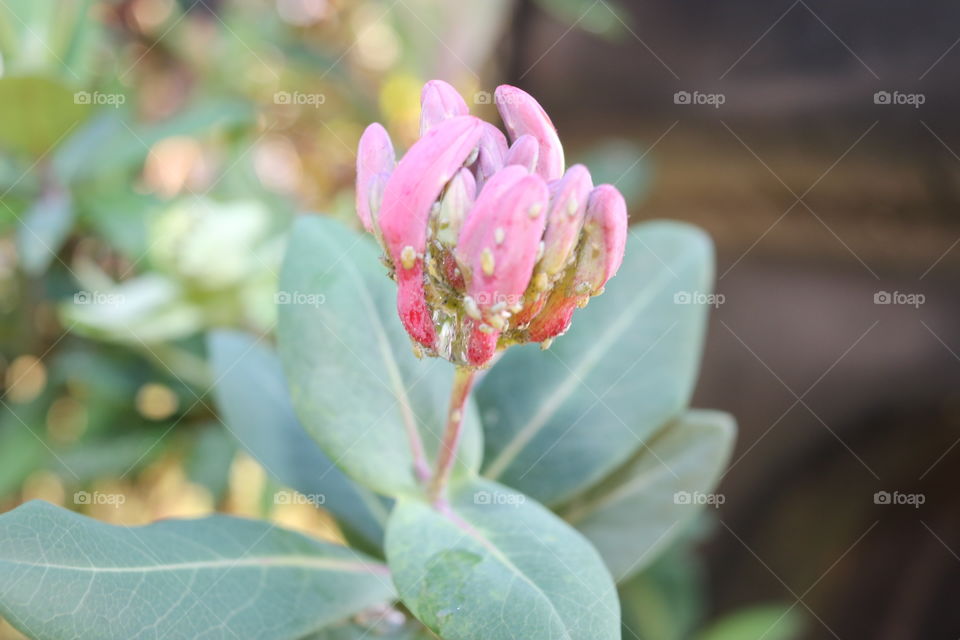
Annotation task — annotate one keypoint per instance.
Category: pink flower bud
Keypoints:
(599, 256)
(568, 206)
(604, 239)
(489, 245)
(408, 198)
(493, 148)
(524, 151)
(554, 318)
(375, 156)
(498, 248)
(523, 115)
(456, 203)
(438, 102)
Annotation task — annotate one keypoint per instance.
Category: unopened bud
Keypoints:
(523, 152)
(375, 161)
(457, 201)
(438, 102)
(524, 115)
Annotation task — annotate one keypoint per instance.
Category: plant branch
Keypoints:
(462, 383)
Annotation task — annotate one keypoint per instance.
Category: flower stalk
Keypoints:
(463, 378)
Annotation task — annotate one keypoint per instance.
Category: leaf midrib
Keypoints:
(386, 352)
(257, 562)
(590, 360)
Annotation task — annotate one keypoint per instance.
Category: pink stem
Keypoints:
(462, 383)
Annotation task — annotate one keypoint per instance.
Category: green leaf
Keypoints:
(252, 397)
(66, 576)
(637, 512)
(43, 230)
(36, 113)
(763, 622)
(557, 422)
(355, 382)
(666, 600)
(497, 565)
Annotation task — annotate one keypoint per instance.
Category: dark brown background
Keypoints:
(883, 410)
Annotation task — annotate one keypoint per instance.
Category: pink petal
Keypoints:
(456, 203)
(605, 238)
(568, 206)
(438, 102)
(409, 195)
(481, 346)
(498, 248)
(375, 156)
(523, 115)
(502, 180)
(600, 255)
(499, 241)
(554, 319)
(524, 151)
(493, 148)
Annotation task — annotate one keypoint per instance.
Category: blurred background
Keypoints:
(153, 153)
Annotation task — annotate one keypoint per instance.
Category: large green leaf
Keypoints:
(557, 422)
(353, 376)
(760, 622)
(666, 601)
(66, 576)
(497, 565)
(252, 396)
(633, 515)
